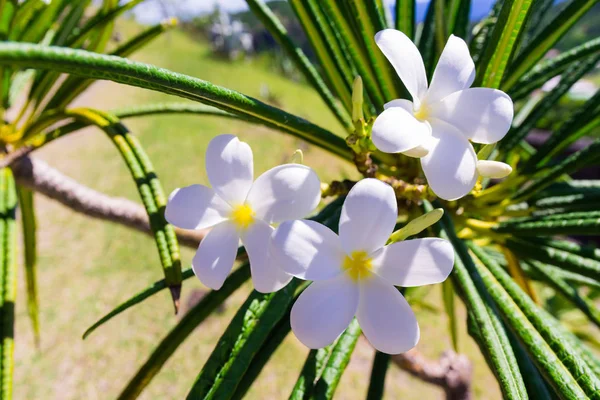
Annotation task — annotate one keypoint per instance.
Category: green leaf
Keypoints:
(135, 299)
(337, 363)
(573, 163)
(580, 123)
(569, 261)
(8, 280)
(326, 44)
(482, 34)
(493, 340)
(417, 225)
(559, 361)
(502, 44)
(356, 50)
(276, 28)
(458, 17)
(28, 221)
(73, 86)
(170, 108)
(568, 79)
(579, 300)
(450, 308)
(246, 333)
(90, 65)
(181, 331)
(42, 22)
(405, 17)
(150, 190)
(381, 362)
(547, 69)
(575, 248)
(547, 37)
(264, 355)
(315, 363)
(426, 39)
(368, 23)
(103, 17)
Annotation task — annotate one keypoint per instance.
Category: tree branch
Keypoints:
(42, 178)
(452, 372)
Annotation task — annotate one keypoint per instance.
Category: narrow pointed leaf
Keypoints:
(315, 363)
(550, 35)
(405, 17)
(276, 28)
(337, 363)
(548, 69)
(150, 190)
(492, 336)
(28, 221)
(569, 261)
(560, 362)
(580, 301)
(90, 65)
(381, 363)
(181, 331)
(237, 347)
(568, 79)
(502, 45)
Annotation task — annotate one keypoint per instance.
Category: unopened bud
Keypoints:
(417, 225)
(357, 99)
(493, 169)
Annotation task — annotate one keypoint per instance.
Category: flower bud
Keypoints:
(493, 169)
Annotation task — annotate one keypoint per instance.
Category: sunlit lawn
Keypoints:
(87, 267)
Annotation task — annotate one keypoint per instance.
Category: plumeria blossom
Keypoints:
(443, 117)
(237, 207)
(355, 273)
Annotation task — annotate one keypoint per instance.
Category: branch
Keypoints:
(42, 178)
(452, 372)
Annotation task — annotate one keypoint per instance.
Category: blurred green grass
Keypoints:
(87, 267)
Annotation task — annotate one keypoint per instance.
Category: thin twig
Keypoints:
(38, 176)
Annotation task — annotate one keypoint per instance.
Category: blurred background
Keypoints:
(86, 267)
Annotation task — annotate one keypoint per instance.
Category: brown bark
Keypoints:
(42, 178)
(452, 372)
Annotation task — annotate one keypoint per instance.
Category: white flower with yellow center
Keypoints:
(355, 273)
(239, 208)
(438, 124)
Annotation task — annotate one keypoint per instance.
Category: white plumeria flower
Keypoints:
(438, 124)
(355, 273)
(239, 208)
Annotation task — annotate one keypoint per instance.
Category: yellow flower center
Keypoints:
(242, 216)
(422, 113)
(358, 265)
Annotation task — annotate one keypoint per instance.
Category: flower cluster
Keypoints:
(355, 273)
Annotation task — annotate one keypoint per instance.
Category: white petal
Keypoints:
(483, 115)
(368, 216)
(307, 250)
(415, 262)
(396, 130)
(450, 166)
(406, 104)
(406, 60)
(216, 254)
(323, 311)
(267, 277)
(196, 207)
(286, 192)
(455, 70)
(493, 169)
(386, 318)
(230, 168)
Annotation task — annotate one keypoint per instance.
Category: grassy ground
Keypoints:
(86, 267)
